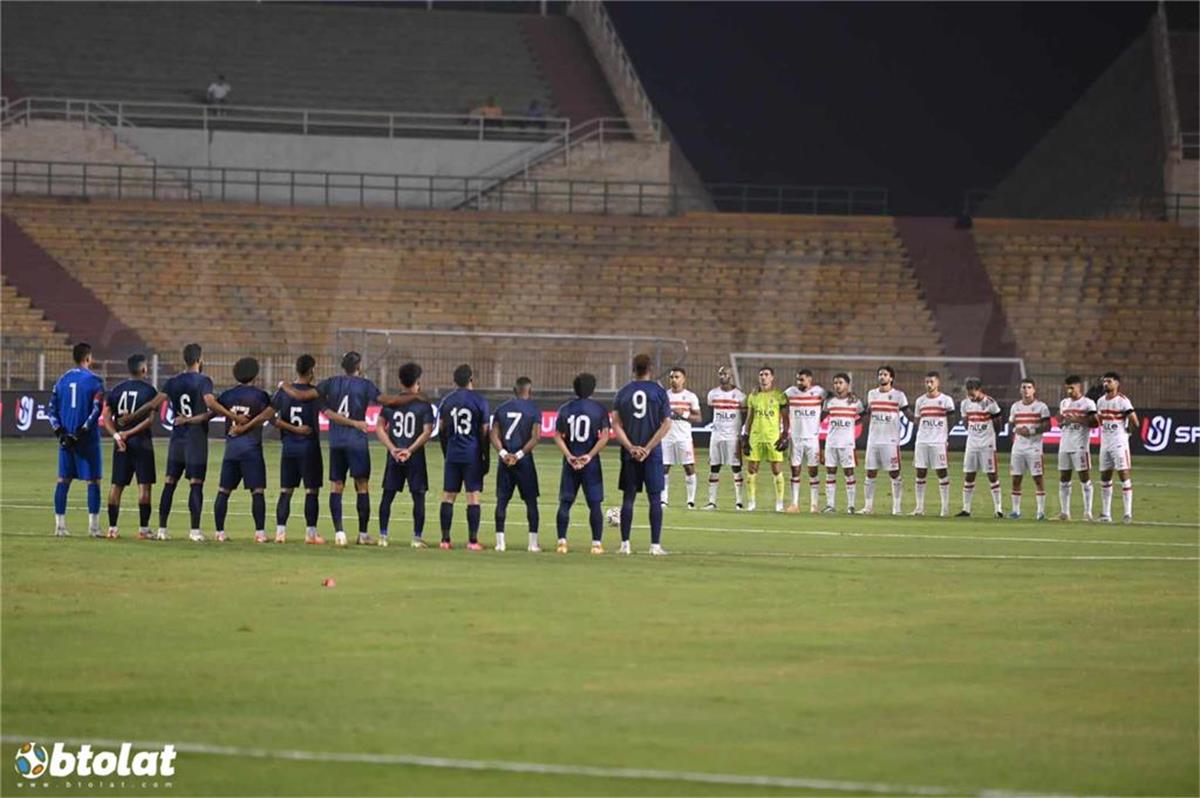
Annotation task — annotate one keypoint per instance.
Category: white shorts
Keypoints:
(839, 456)
(728, 452)
(678, 452)
(931, 455)
(806, 451)
(885, 456)
(1022, 463)
(1075, 461)
(979, 459)
(1115, 459)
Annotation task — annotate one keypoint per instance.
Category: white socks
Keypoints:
(814, 490)
(1087, 498)
(851, 490)
(1064, 497)
(944, 493)
(920, 491)
(1106, 499)
(869, 493)
(796, 490)
(689, 481)
(968, 492)
(737, 487)
(714, 482)
(830, 488)
(997, 499)
(897, 494)
(1127, 496)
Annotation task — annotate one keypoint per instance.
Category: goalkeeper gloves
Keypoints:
(781, 444)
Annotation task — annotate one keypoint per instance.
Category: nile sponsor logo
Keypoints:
(31, 761)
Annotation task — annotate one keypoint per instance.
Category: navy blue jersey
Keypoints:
(126, 397)
(405, 424)
(186, 392)
(248, 401)
(581, 423)
(348, 395)
(465, 414)
(76, 401)
(642, 405)
(516, 421)
(298, 412)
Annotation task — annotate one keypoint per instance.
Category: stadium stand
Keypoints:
(1091, 296)
(284, 280)
(273, 55)
(23, 325)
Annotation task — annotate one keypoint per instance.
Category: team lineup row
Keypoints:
(653, 427)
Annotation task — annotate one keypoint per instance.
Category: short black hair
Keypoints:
(891, 371)
(680, 369)
(933, 374)
(135, 363)
(191, 354)
(463, 375)
(1112, 375)
(1029, 380)
(585, 385)
(245, 370)
(305, 364)
(521, 384)
(641, 364)
(409, 374)
(1073, 379)
(80, 351)
(842, 375)
(767, 368)
(351, 361)
(973, 384)
(804, 372)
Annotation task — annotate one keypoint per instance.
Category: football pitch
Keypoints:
(769, 654)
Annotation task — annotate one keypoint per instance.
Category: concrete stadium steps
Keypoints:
(1185, 61)
(277, 54)
(287, 279)
(23, 325)
(1087, 297)
(72, 306)
(575, 79)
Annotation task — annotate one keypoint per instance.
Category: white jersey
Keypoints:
(727, 413)
(805, 407)
(885, 407)
(686, 404)
(1113, 412)
(1029, 416)
(843, 414)
(932, 412)
(978, 415)
(1073, 416)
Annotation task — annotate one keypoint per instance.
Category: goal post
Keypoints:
(1001, 375)
(498, 357)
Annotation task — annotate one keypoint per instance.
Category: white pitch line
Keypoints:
(546, 769)
(859, 556)
(986, 538)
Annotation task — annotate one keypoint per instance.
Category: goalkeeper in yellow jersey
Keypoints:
(766, 436)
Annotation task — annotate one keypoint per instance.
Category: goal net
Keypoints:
(1001, 375)
(499, 357)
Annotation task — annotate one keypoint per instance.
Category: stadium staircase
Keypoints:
(23, 325)
(284, 280)
(70, 305)
(1091, 296)
(298, 55)
(966, 309)
(574, 77)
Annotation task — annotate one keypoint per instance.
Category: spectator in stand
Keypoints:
(218, 90)
(489, 112)
(536, 115)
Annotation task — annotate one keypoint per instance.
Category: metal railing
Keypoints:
(424, 192)
(1189, 145)
(612, 55)
(119, 114)
(1171, 207)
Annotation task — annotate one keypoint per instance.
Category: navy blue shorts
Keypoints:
(647, 474)
(83, 461)
(356, 460)
(591, 479)
(457, 475)
(413, 473)
(522, 476)
(187, 456)
(249, 469)
(137, 459)
(309, 468)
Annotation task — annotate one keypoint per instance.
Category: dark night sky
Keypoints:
(924, 99)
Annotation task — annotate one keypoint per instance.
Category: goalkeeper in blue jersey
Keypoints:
(75, 406)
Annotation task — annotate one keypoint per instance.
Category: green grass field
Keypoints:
(833, 654)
